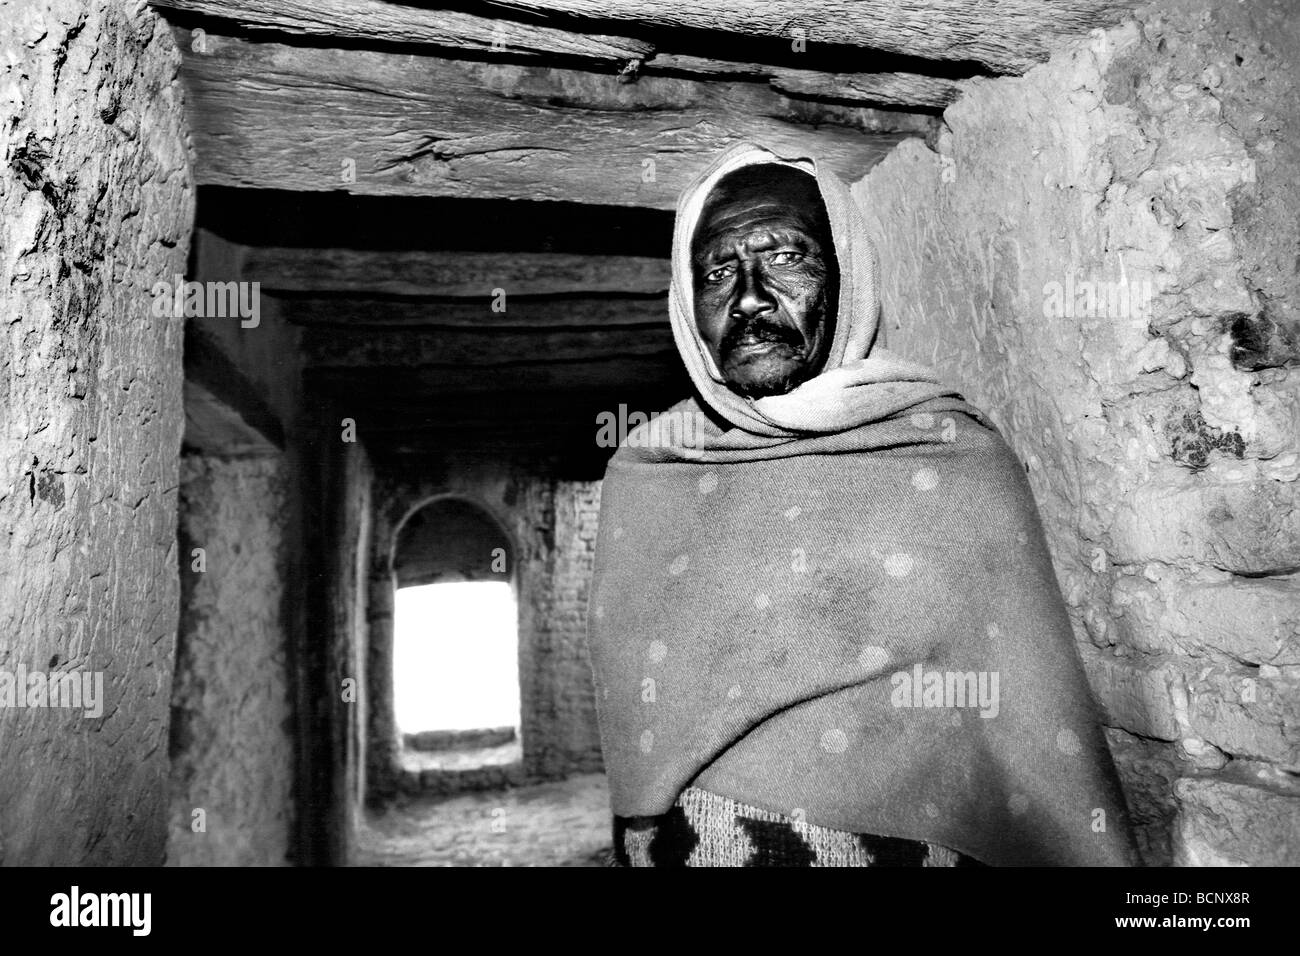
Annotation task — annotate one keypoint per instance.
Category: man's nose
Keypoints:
(752, 298)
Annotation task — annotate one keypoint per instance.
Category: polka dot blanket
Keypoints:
(838, 604)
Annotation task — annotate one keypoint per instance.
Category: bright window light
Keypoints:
(456, 657)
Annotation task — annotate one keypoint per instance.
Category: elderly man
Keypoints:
(825, 630)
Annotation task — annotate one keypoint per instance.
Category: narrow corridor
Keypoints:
(565, 823)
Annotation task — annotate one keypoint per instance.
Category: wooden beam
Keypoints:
(401, 272)
(905, 89)
(395, 426)
(1008, 36)
(370, 348)
(538, 374)
(564, 421)
(354, 312)
(273, 116)
(580, 459)
(509, 409)
(382, 22)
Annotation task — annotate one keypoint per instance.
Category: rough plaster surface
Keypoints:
(231, 743)
(1163, 444)
(96, 204)
(552, 523)
(349, 573)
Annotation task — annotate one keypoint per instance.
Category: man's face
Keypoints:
(763, 264)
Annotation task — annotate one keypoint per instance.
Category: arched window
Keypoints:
(455, 638)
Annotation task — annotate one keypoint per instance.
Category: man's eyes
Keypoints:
(784, 258)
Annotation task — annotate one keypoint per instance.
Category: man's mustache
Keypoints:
(760, 330)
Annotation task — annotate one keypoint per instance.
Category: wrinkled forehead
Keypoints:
(769, 196)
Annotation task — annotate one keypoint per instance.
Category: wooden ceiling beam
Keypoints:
(384, 426)
(380, 22)
(619, 372)
(905, 89)
(370, 348)
(376, 21)
(451, 274)
(267, 115)
(586, 312)
(1008, 36)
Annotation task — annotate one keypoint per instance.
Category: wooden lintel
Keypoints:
(1008, 36)
(617, 372)
(891, 88)
(370, 348)
(267, 115)
(518, 312)
(451, 274)
(377, 21)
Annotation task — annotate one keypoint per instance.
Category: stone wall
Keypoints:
(231, 744)
(1152, 166)
(96, 205)
(552, 523)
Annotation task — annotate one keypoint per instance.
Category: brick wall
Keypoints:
(551, 523)
(564, 702)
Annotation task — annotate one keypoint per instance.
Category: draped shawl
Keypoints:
(838, 603)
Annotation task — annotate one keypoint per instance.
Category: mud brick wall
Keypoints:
(231, 744)
(570, 700)
(96, 205)
(1161, 434)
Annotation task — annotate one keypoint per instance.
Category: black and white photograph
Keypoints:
(595, 434)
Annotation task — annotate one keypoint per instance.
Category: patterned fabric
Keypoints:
(705, 829)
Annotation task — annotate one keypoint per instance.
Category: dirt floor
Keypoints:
(565, 823)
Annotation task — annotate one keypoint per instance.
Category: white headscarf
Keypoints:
(861, 380)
